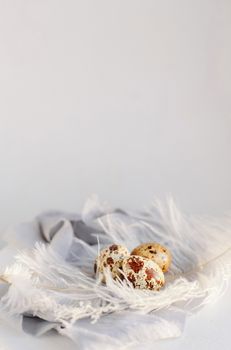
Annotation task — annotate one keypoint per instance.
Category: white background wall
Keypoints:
(128, 99)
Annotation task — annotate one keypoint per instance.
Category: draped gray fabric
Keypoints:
(57, 229)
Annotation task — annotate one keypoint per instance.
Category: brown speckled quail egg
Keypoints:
(156, 252)
(143, 273)
(112, 257)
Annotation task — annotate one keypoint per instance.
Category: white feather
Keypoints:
(42, 283)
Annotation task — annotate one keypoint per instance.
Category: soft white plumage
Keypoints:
(45, 284)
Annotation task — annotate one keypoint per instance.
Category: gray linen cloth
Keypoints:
(58, 229)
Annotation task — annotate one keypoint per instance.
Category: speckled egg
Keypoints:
(143, 273)
(156, 252)
(112, 257)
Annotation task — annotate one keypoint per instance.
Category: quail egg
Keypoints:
(110, 257)
(143, 273)
(156, 252)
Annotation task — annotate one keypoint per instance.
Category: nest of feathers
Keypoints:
(64, 288)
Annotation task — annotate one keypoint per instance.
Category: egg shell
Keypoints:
(156, 252)
(110, 257)
(143, 273)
